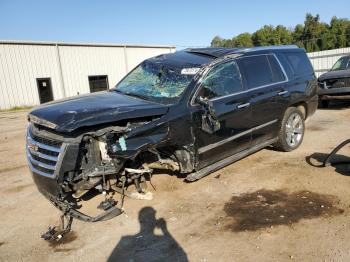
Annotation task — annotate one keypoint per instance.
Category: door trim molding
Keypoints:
(204, 149)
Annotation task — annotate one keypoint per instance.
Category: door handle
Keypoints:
(243, 105)
(281, 93)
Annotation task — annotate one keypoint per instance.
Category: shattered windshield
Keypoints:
(342, 64)
(156, 82)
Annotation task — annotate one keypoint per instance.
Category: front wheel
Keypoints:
(292, 129)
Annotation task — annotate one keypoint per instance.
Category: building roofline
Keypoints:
(49, 43)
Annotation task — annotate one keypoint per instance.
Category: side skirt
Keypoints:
(229, 160)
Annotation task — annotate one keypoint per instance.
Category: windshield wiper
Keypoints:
(116, 90)
(144, 97)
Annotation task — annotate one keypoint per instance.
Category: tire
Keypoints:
(325, 103)
(291, 133)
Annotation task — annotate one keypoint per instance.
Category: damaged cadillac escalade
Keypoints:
(192, 112)
(335, 84)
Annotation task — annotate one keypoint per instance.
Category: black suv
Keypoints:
(191, 112)
(335, 84)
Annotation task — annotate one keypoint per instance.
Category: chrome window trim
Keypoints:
(206, 72)
(282, 68)
(247, 90)
(206, 148)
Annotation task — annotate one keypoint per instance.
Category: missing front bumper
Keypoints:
(342, 93)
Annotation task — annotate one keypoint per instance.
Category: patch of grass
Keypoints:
(16, 108)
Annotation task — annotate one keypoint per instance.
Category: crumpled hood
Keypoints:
(334, 74)
(70, 114)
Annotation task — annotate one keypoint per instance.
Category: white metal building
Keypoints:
(36, 72)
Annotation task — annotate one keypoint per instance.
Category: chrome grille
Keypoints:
(43, 154)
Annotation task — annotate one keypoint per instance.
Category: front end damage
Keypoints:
(114, 160)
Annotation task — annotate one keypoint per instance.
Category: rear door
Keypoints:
(223, 87)
(266, 81)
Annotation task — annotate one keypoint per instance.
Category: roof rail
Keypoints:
(269, 47)
(214, 52)
(217, 52)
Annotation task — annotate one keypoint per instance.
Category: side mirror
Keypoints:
(206, 103)
(210, 122)
(202, 101)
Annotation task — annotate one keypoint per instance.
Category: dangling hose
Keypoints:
(326, 162)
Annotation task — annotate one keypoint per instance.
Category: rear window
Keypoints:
(299, 63)
(260, 70)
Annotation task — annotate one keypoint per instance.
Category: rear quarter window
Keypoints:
(299, 64)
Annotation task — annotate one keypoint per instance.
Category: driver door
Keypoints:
(222, 88)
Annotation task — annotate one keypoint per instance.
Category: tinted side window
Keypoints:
(256, 70)
(299, 62)
(277, 72)
(223, 79)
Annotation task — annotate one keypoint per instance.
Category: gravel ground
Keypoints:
(270, 206)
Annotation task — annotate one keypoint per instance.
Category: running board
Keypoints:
(229, 160)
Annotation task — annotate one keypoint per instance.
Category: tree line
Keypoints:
(313, 35)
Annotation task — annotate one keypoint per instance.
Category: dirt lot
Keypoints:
(270, 206)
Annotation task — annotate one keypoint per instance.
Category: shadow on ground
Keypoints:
(146, 245)
(341, 163)
(337, 105)
(267, 208)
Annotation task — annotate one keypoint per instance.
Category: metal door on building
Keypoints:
(44, 90)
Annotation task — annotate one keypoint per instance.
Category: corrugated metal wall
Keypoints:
(324, 60)
(22, 63)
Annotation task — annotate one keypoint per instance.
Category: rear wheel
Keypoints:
(325, 103)
(292, 129)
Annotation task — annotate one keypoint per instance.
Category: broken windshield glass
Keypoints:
(156, 82)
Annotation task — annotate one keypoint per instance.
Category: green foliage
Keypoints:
(243, 40)
(313, 35)
(264, 36)
(217, 41)
(16, 108)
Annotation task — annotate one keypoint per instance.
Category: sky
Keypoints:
(177, 22)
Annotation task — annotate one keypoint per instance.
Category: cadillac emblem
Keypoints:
(32, 147)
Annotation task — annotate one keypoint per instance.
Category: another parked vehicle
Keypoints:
(335, 84)
(192, 112)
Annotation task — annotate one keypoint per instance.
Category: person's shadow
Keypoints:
(145, 245)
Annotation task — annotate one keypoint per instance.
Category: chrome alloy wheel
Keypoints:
(294, 130)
